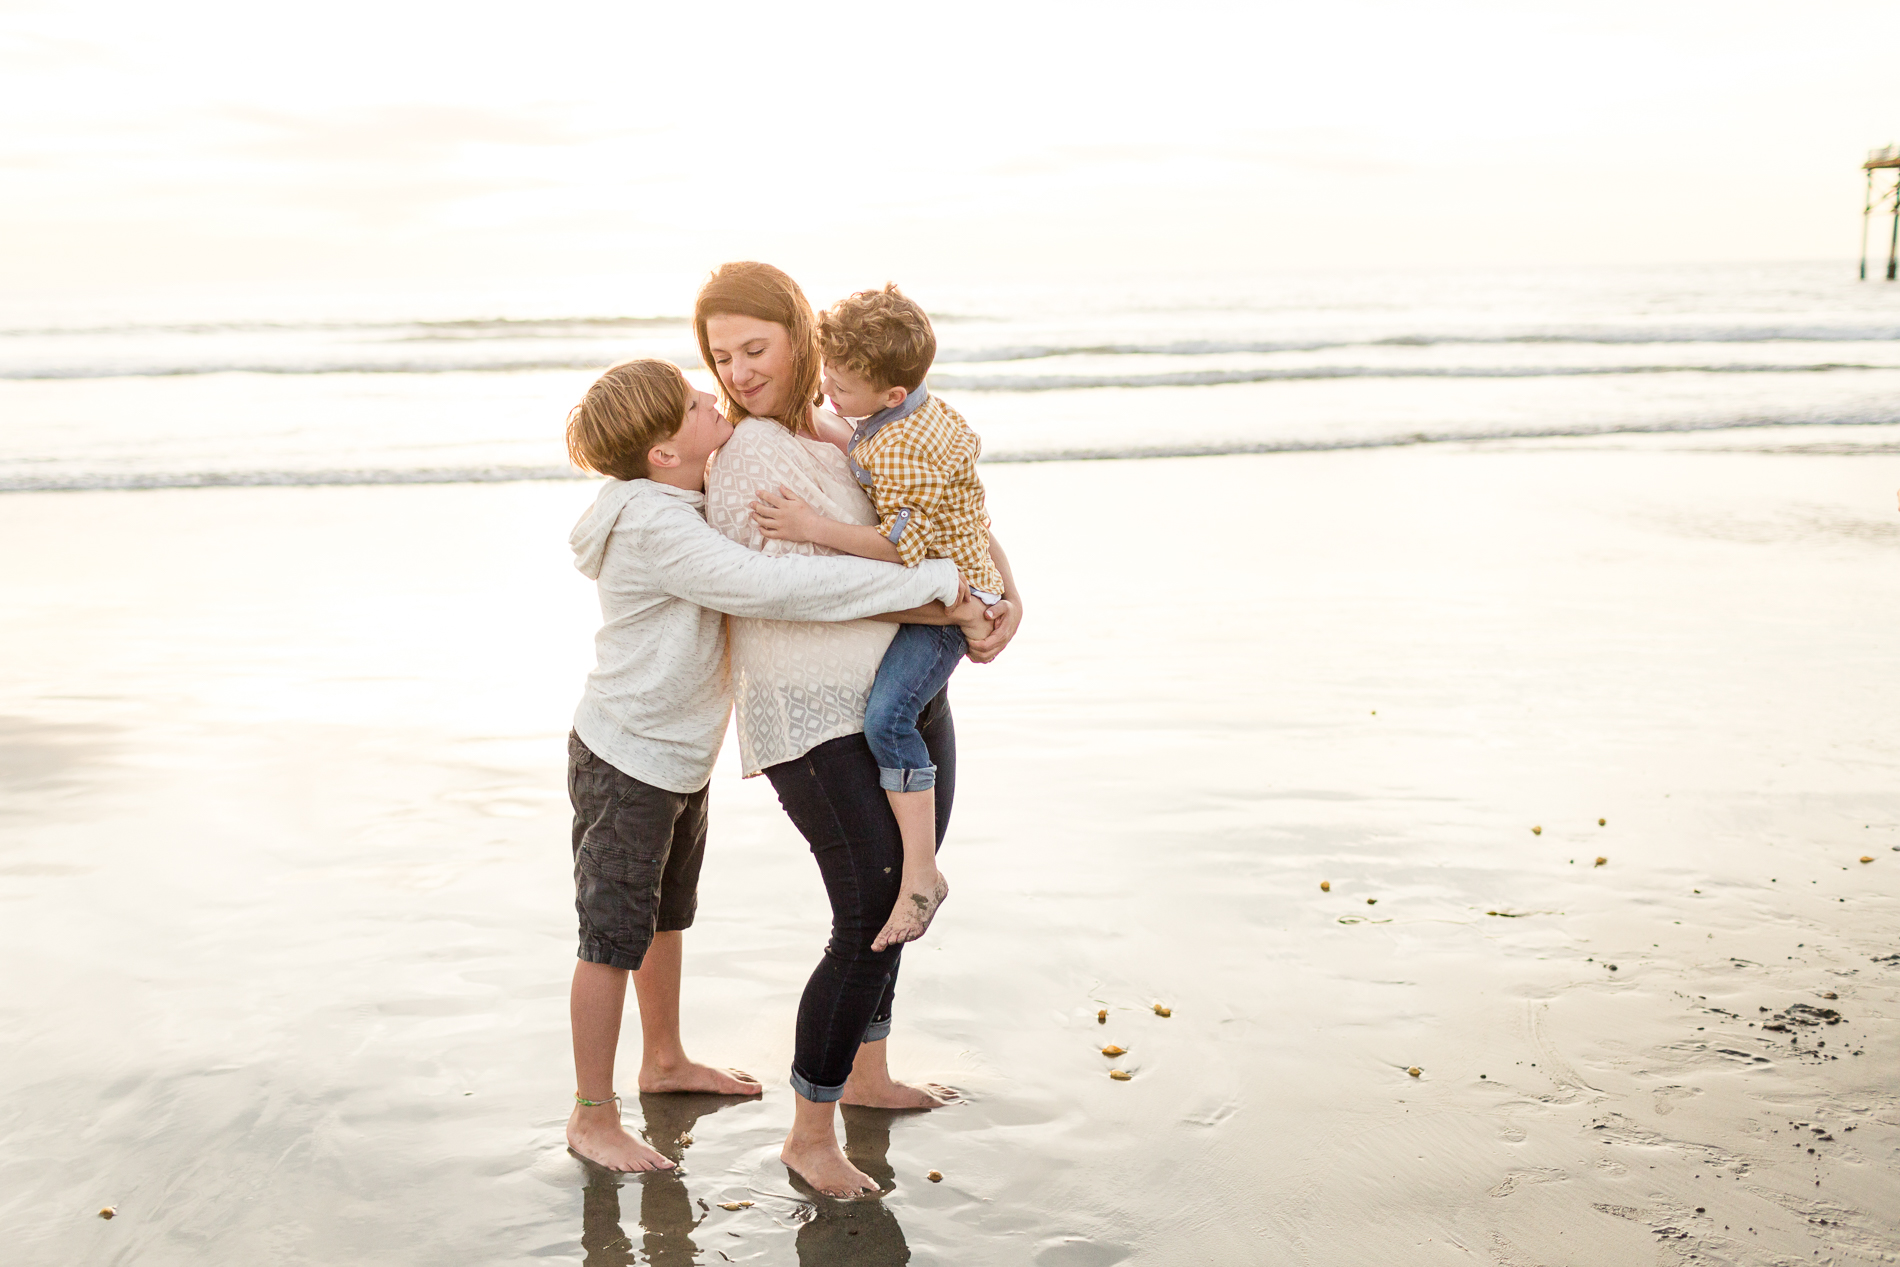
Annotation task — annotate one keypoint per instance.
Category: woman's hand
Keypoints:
(1005, 615)
(987, 629)
(785, 517)
(1003, 619)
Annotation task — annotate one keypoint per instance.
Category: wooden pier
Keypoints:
(1887, 159)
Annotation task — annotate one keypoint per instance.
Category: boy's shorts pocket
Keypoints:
(617, 894)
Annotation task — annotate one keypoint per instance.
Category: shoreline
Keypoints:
(1836, 443)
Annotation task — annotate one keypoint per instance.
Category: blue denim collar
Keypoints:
(869, 427)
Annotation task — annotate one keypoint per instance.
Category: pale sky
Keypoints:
(152, 144)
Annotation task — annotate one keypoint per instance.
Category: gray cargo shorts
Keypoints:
(637, 854)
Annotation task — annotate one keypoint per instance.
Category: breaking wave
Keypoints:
(976, 382)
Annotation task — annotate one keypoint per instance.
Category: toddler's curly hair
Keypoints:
(880, 335)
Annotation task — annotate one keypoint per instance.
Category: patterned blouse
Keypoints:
(795, 684)
(929, 499)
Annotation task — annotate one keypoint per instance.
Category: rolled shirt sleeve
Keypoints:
(910, 493)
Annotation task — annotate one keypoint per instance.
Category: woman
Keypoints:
(800, 690)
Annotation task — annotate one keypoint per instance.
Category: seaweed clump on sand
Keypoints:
(1795, 1014)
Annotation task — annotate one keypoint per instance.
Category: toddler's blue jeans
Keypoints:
(917, 666)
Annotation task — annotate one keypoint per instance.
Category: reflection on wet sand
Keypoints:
(667, 1213)
(865, 1232)
(861, 1233)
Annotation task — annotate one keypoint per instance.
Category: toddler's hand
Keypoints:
(784, 517)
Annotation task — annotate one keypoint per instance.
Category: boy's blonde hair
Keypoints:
(629, 409)
(881, 336)
(750, 289)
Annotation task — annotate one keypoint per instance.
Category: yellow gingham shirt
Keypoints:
(928, 497)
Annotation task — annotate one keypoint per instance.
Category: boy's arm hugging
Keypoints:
(692, 561)
(785, 516)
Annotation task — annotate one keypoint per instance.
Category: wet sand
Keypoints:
(285, 905)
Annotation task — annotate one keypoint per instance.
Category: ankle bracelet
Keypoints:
(586, 1103)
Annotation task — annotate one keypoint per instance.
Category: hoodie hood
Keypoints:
(590, 536)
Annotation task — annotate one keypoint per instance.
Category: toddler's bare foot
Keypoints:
(693, 1076)
(824, 1166)
(888, 1093)
(596, 1134)
(911, 917)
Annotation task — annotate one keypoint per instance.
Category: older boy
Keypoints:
(653, 716)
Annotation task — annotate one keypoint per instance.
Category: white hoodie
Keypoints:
(656, 703)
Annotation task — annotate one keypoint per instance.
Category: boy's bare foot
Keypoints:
(917, 905)
(693, 1076)
(596, 1134)
(824, 1166)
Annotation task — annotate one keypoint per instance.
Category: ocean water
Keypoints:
(418, 387)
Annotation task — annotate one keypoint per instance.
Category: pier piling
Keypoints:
(1886, 159)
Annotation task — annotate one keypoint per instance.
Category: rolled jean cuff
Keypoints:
(907, 780)
(875, 1032)
(817, 1094)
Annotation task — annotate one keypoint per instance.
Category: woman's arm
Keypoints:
(928, 614)
(1006, 616)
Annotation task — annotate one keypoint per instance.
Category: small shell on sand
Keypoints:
(1602, 861)
(1112, 1050)
(1325, 886)
(1163, 1011)
(108, 1211)
(1537, 831)
(935, 1176)
(1603, 822)
(685, 1139)
(735, 1205)
(1120, 1075)
(1101, 1017)
(1415, 1071)
(1866, 857)
(1372, 901)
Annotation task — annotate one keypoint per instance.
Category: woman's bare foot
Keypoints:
(596, 1134)
(823, 1165)
(690, 1075)
(917, 904)
(891, 1094)
(871, 1086)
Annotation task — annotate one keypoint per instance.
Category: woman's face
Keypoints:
(754, 361)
